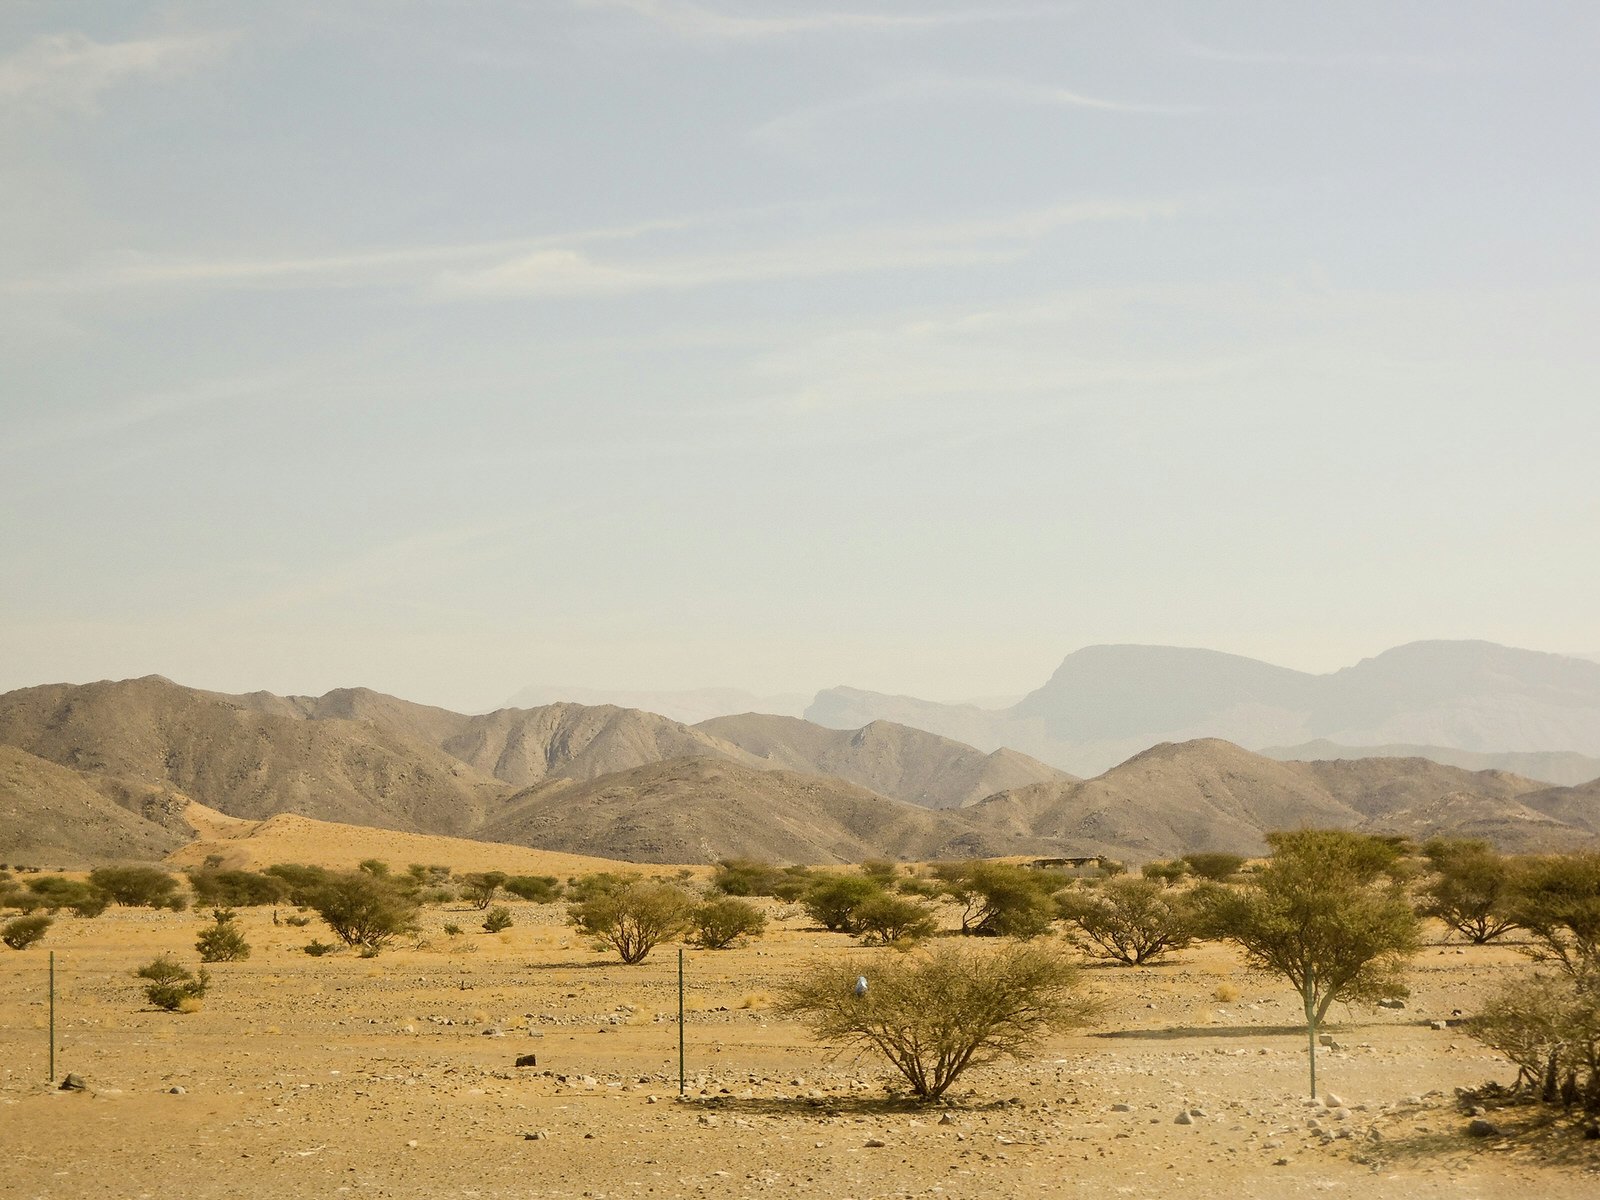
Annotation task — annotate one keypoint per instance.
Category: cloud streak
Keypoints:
(698, 21)
(71, 71)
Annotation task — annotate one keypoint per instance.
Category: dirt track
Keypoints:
(386, 1077)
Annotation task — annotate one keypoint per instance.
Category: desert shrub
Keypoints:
(235, 889)
(746, 877)
(451, 929)
(1549, 1028)
(478, 889)
(719, 923)
(933, 1014)
(497, 919)
(364, 909)
(222, 941)
(1556, 900)
(881, 869)
(172, 986)
(137, 886)
(1328, 913)
(634, 918)
(1215, 865)
(832, 900)
(1127, 920)
(56, 892)
(583, 888)
(1165, 872)
(299, 881)
(299, 922)
(317, 948)
(428, 876)
(919, 886)
(375, 867)
(886, 919)
(540, 889)
(1000, 899)
(1471, 889)
(22, 932)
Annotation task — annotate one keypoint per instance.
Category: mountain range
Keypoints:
(1105, 703)
(105, 770)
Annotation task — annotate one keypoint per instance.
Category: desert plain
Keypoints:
(395, 1076)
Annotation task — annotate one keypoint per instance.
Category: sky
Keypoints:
(451, 347)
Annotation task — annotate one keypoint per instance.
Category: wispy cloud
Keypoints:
(695, 20)
(565, 271)
(1364, 61)
(71, 71)
(937, 89)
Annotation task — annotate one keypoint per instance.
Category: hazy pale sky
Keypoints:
(447, 347)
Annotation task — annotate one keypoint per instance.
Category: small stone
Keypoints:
(412, 1144)
(1478, 1127)
(493, 1032)
(1438, 1024)
(1329, 1100)
(527, 1060)
(74, 1083)
(947, 1119)
(177, 1091)
(873, 1143)
(1122, 1107)
(1183, 1118)
(1281, 1162)
(537, 1135)
(1392, 1003)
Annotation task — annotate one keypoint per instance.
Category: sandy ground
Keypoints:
(394, 1077)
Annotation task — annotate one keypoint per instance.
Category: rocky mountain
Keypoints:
(691, 707)
(1105, 703)
(1551, 766)
(103, 768)
(893, 760)
(53, 815)
(691, 810)
(1213, 795)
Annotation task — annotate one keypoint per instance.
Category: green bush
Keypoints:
(222, 941)
(539, 889)
(720, 923)
(885, 919)
(935, 1014)
(1215, 865)
(299, 881)
(23, 932)
(479, 888)
(364, 909)
(497, 918)
(1131, 921)
(173, 987)
(584, 888)
(236, 889)
(317, 948)
(634, 918)
(1000, 899)
(451, 929)
(56, 892)
(137, 886)
(832, 900)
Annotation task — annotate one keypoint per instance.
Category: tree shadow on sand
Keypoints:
(831, 1106)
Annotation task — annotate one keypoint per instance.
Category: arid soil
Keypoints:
(395, 1076)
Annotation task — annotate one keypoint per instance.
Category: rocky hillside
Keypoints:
(892, 760)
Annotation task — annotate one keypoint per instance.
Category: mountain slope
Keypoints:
(1560, 767)
(53, 816)
(892, 760)
(692, 810)
(245, 761)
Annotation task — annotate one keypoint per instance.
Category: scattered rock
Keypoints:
(1329, 1100)
(1183, 1118)
(537, 1135)
(873, 1143)
(1122, 1107)
(74, 1083)
(527, 1060)
(177, 1091)
(1392, 1003)
(1478, 1127)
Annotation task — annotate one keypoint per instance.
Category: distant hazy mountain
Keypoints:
(1105, 703)
(893, 760)
(690, 707)
(1551, 766)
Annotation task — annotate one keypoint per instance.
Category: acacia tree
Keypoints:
(1000, 899)
(364, 908)
(634, 918)
(1133, 921)
(1472, 889)
(1328, 913)
(933, 1014)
